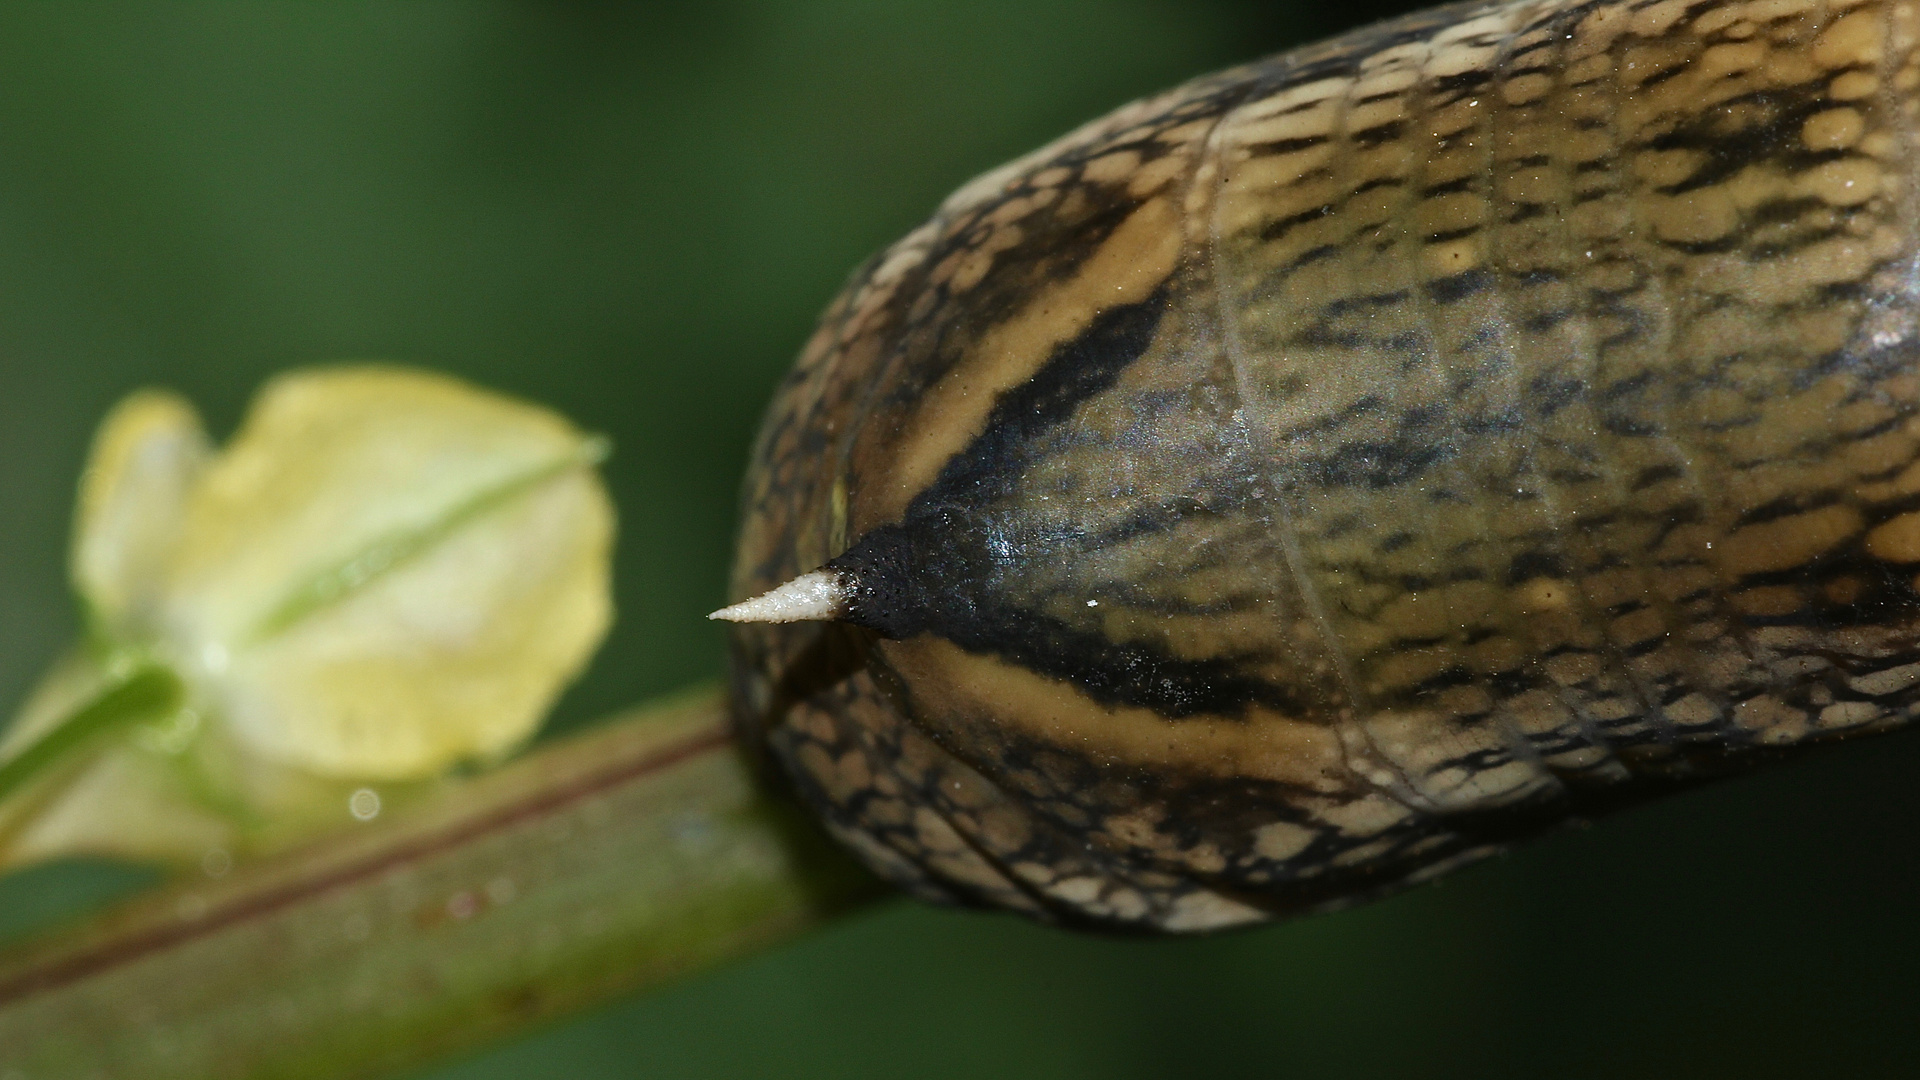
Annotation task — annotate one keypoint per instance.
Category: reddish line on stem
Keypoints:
(64, 970)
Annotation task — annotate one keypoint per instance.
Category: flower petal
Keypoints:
(121, 803)
(145, 458)
(390, 571)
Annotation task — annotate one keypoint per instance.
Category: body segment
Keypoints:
(1298, 484)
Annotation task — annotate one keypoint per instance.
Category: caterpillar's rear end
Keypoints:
(1291, 487)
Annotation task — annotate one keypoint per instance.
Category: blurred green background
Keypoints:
(632, 213)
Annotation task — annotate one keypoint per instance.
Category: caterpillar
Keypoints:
(1330, 472)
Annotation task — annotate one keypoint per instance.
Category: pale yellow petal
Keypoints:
(328, 463)
(146, 455)
(120, 803)
(456, 655)
(171, 791)
(389, 572)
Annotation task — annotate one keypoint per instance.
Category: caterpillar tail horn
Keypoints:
(822, 595)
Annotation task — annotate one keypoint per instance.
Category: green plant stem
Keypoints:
(617, 859)
(146, 691)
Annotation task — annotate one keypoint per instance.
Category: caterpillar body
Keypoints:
(1291, 487)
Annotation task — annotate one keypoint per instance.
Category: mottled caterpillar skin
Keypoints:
(1294, 486)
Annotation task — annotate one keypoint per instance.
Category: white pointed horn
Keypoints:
(818, 596)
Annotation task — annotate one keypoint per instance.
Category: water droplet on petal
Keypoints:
(364, 804)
